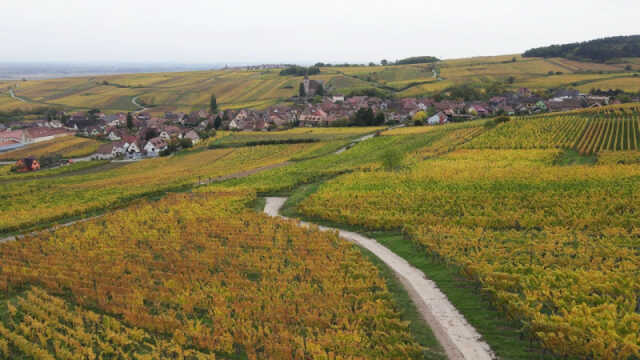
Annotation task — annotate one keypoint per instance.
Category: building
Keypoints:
(313, 87)
(27, 164)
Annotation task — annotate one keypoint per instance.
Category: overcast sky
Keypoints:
(259, 31)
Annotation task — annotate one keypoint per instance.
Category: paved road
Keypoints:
(458, 338)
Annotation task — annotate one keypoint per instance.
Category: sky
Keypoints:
(287, 31)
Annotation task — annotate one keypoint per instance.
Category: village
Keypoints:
(137, 135)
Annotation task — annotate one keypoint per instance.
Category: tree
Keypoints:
(392, 159)
(379, 119)
(150, 133)
(513, 59)
(213, 104)
(320, 91)
(511, 79)
(129, 121)
(628, 68)
(301, 91)
(217, 122)
(384, 62)
(419, 118)
(372, 64)
(364, 117)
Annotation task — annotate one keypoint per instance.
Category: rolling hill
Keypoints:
(236, 88)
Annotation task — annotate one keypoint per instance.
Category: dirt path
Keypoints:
(141, 108)
(13, 95)
(458, 338)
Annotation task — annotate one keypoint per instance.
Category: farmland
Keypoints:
(544, 241)
(26, 206)
(240, 285)
(588, 131)
(68, 146)
(235, 89)
(540, 255)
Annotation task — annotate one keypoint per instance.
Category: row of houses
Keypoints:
(332, 110)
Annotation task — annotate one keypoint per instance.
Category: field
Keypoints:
(587, 131)
(67, 146)
(30, 203)
(555, 247)
(530, 227)
(296, 134)
(210, 277)
(186, 91)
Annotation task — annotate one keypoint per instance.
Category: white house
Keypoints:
(155, 146)
(114, 136)
(437, 119)
(105, 152)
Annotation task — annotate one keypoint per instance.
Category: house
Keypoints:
(155, 146)
(132, 145)
(116, 120)
(337, 98)
(19, 136)
(477, 110)
(438, 119)
(114, 135)
(193, 136)
(313, 117)
(170, 132)
(104, 152)
(27, 164)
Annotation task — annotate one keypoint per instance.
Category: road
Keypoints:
(458, 338)
(141, 108)
(13, 96)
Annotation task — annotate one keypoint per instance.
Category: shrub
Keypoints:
(392, 159)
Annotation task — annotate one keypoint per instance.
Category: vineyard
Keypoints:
(68, 146)
(208, 279)
(41, 201)
(592, 131)
(556, 248)
(236, 89)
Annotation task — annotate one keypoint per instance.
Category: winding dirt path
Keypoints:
(458, 338)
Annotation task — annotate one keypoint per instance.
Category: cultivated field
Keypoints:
(534, 242)
(186, 91)
(587, 131)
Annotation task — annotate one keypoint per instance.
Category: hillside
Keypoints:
(599, 50)
(259, 89)
(528, 226)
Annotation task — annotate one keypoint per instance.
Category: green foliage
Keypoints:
(599, 50)
(129, 121)
(301, 90)
(300, 71)
(418, 60)
(392, 159)
(213, 104)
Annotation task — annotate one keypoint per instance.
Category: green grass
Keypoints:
(503, 335)
(572, 157)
